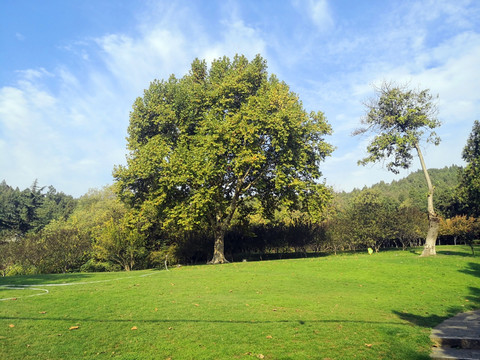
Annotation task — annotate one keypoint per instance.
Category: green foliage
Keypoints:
(469, 188)
(399, 118)
(119, 240)
(93, 265)
(465, 229)
(372, 219)
(202, 146)
(113, 229)
(412, 190)
(31, 209)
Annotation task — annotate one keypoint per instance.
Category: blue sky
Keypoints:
(71, 70)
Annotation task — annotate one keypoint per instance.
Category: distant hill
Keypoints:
(412, 190)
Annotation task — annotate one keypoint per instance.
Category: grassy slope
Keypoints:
(336, 307)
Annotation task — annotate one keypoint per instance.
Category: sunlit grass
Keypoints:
(336, 307)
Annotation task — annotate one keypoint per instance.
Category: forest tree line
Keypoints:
(45, 231)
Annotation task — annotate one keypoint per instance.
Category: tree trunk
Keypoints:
(434, 220)
(219, 248)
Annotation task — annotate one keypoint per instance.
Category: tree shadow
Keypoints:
(446, 331)
(456, 253)
(432, 320)
(44, 279)
(209, 321)
(473, 269)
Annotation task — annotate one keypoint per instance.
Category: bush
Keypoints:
(21, 269)
(93, 265)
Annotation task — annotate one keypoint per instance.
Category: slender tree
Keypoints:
(400, 119)
(202, 146)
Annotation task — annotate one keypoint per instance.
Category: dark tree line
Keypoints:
(31, 209)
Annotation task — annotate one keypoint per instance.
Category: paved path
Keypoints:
(458, 337)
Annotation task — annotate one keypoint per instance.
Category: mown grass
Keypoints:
(335, 307)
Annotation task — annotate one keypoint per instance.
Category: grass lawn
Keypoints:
(335, 307)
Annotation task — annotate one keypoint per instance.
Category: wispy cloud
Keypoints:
(67, 125)
(318, 11)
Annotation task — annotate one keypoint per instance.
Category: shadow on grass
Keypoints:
(473, 269)
(210, 321)
(456, 253)
(436, 321)
(433, 320)
(48, 279)
(42, 279)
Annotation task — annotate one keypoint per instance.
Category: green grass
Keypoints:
(335, 307)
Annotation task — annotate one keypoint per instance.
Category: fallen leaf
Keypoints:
(261, 356)
(170, 328)
(156, 309)
(134, 328)
(42, 312)
(172, 284)
(368, 345)
(196, 305)
(73, 327)
(269, 337)
(13, 299)
(11, 325)
(247, 305)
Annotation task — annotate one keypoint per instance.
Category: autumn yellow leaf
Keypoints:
(73, 327)
(269, 337)
(134, 328)
(368, 345)
(11, 325)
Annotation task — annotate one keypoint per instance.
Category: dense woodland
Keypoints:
(227, 158)
(45, 231)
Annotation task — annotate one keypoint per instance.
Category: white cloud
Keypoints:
(318, 11)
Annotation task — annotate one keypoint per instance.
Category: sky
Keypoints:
(71, 70)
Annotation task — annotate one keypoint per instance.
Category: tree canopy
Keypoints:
(200, 147)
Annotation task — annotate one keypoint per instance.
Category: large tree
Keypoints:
(400, 119)
(469, 188)
(200, 147)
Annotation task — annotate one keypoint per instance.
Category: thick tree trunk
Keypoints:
(219, 248)
(434, 220)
